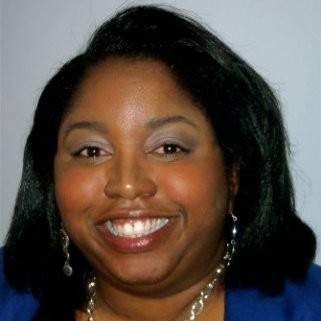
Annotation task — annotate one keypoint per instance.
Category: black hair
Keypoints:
(273, 243)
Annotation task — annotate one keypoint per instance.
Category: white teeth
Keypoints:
(139, 227)
(128, 229)
(136, 227)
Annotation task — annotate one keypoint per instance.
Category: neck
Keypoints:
(115, 304)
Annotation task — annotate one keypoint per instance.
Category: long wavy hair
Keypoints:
(273, 243)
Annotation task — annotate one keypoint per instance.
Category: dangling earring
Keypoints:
(64, 238)
(91, 293)
(230, 246)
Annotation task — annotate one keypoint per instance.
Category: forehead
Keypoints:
(123, 73)
(138, 83)
(132, 97)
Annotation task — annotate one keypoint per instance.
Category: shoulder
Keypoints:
(300, 301)
(305, 298)
(14, 306)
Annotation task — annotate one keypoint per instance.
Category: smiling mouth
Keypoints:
(133, 228)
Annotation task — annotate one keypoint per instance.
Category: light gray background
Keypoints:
(280, 38)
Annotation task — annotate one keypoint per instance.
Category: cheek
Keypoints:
(76, 190)
(201, 190)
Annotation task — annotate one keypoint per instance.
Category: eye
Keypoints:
(170, 149)
(90, 152)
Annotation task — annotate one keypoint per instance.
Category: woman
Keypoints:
(156, 187)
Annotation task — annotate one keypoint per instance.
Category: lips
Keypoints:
(135, 231)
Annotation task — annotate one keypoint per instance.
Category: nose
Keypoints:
(128, 178)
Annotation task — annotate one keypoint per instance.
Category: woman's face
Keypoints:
(140, 180)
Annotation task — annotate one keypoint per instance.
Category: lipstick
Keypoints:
(135, 234)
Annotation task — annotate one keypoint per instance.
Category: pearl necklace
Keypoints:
(197, 305)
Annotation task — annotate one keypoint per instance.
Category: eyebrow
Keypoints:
(158, 122)
(153, 123)
(97, 126)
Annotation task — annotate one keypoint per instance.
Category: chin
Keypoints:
(138, 274)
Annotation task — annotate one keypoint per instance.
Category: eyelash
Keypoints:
(168, 151)
(171, 146)
(98, 152)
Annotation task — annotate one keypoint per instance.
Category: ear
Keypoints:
(233, 185)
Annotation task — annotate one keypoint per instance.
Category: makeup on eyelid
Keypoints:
(175, 136)
(78, 149)
(79, 140)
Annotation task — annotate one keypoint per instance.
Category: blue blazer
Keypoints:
(298, 302)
